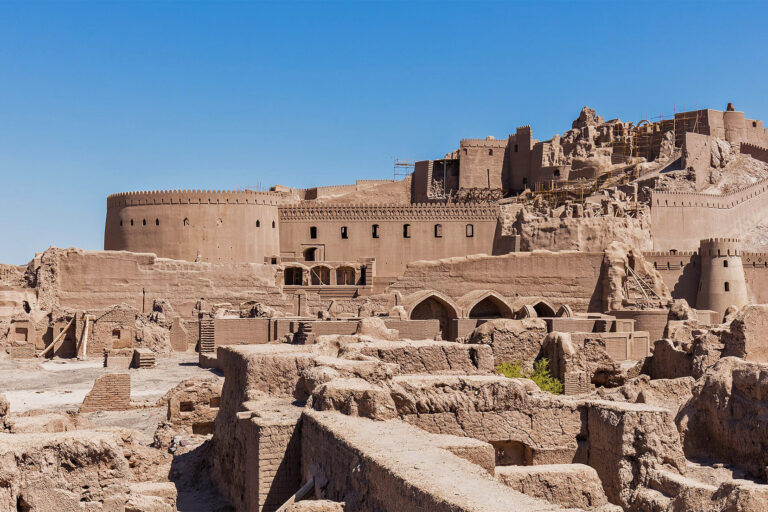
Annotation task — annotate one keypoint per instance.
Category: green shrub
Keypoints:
(540, 375)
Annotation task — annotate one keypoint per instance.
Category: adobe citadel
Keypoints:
(569, 324)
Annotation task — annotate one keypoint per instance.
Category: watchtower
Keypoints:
(722, 282)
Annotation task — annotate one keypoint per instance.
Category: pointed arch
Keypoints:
(432, 305)
(565, 311)
(526, 311)
(544, 309)
(485, 304)
(320, 275)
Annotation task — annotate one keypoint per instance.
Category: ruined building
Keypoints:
(568, 324)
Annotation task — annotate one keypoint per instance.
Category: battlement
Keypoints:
(670, 254)
(721, 241)
(383, 212)
(698, 199)
(483, 143)
(160, 197)
(755, 151)
(720, 247)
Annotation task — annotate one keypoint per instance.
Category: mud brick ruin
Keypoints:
(572, 324)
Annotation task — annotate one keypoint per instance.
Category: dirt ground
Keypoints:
(61, 384)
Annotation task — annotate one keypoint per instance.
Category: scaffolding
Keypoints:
(402, 168)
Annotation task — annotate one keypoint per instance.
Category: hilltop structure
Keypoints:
(402, 344)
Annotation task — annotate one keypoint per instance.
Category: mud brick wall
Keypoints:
(241, 331)
(22, 351)
(279, 463)
(415, 329)
(111, 392)
(192, 328)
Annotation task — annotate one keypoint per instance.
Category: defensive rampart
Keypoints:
(195, 225)
(680, 220)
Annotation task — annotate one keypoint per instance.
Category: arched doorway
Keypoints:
(320, 275)
(490, 307)
(293, 276)
(435, 308)
(345, 276)
(544, 309)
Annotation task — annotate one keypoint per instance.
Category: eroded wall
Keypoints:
(559, 277)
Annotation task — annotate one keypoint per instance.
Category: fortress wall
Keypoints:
(98, 279)
(391, 249)
(567, 277)
(756, 274)
(481, 162)
(755, 151)
(213, 226)
(681, 220)
(681, 273)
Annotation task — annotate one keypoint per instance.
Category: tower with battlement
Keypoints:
(721, 282)
(214, 226)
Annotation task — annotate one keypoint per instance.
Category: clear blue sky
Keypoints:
(104, 97)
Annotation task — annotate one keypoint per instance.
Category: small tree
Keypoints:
(540, 374)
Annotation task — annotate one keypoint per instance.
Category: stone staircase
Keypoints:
(338, 292)
(143, 358)
(207, 341)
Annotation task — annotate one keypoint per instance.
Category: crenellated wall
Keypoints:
(681, 220)
(195, 225)
(755, 151)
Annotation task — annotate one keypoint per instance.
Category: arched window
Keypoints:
(313, 232)
(143, 222)
(320, 276)
(345, 276)
(406, 231)
(470, 230)
(273, 224)
(490, 152)
(293, 276)
(375, 231)
(725, 263)
(344, 232)
(727, 286)
(186, 221)
(438, 231)
(131, 222)
(258, 223)
(157, 222)
(515, 148)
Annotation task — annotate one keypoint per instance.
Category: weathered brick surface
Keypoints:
(279, 464)
(110, 392)
(22, 351)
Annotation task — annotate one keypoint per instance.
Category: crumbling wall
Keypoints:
(723, 418)
(560, 277)
(382, 466)
(512, 340)
(81, 279)
(110, 392)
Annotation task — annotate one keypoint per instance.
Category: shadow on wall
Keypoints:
(191, 475)
(503, 244)
(687, 284)
(596, 300)
(433, 308)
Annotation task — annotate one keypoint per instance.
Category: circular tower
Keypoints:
(722, 282)
(195, 225)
